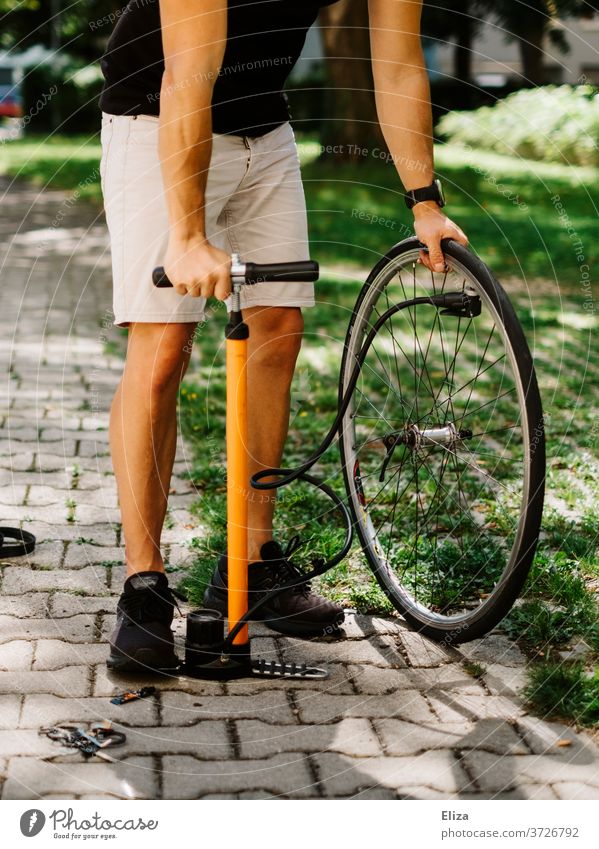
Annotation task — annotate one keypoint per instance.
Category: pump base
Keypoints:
(207, 654)
(231, 668)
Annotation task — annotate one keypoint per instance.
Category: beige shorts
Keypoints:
(255, 206)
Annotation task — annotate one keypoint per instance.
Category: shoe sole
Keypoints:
(143, 661)
(293, 629)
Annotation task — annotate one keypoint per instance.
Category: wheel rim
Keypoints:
(436, 442)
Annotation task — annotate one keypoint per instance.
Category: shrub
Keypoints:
(551, 123)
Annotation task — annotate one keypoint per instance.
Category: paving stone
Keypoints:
(316, 708)
(102, 496)
(409, 738)
(12, 494)
(494, 735)
(451, 707)
(357, 626)
(349, 736)
(344, 776)
(505, 680)
(575, 790)
(107, 684)
(425, 653)
(16, 655)
(89, 579)
(374, 680)
(13, 433)
(379, 650)
(65, 605)
(93, 448)
(34, 604)
(21, 741)
(286, 775)
(451, 677)
(54, 434)
(494, 648)
(542, 737)
(492, 773)
(189, 709)
(17, 462)
(46, 553)
(46, 709)
(86, 514)
(208, 740)
(523, 791)
(420, 792)
(10, 707)
(28, 778)
(72, 681)
(54, 654)
(65, 450)
(75, 629)
(101, 534)
(78, 556)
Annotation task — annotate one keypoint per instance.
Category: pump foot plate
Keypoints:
(271, 669)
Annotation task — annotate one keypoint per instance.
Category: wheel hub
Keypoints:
(414, 437)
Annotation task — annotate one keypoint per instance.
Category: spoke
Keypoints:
(478, 373)
(464, 385)
(476, 468)
(492, 401)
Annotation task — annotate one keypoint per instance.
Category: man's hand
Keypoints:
(197, 268)
(431, 225)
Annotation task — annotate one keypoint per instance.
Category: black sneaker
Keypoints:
(142, 640)
(297, 611)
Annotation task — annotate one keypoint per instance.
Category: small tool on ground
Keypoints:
(132, 695)
(101, 735)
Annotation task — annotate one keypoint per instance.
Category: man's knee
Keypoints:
(158, 354)
(276, 334)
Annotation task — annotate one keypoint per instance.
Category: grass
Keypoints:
(503, 204)
(57, 162)
(565, 691)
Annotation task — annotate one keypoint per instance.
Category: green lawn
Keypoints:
(57, 162)
(512, 222)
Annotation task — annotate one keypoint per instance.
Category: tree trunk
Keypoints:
(531, 54)
(463, 51)
(351, 125)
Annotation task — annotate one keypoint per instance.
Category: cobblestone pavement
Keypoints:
(399, 716)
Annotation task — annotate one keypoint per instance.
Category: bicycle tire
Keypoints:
(485, 613)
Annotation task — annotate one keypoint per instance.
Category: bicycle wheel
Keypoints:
(442, 444)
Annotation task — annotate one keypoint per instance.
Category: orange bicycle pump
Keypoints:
(208, 653)
(236, 343)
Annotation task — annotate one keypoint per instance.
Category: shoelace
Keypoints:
(284, 569)
(149, 605)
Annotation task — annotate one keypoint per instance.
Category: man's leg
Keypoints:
(274, 344)
(143, 435)
(143, 438)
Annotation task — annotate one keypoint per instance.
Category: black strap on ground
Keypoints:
(24, 542)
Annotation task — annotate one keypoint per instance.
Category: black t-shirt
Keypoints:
(264, 41)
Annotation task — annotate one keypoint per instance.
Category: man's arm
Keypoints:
(194, 39)
(404, 111)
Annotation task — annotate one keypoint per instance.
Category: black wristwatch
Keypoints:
(432, 192)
